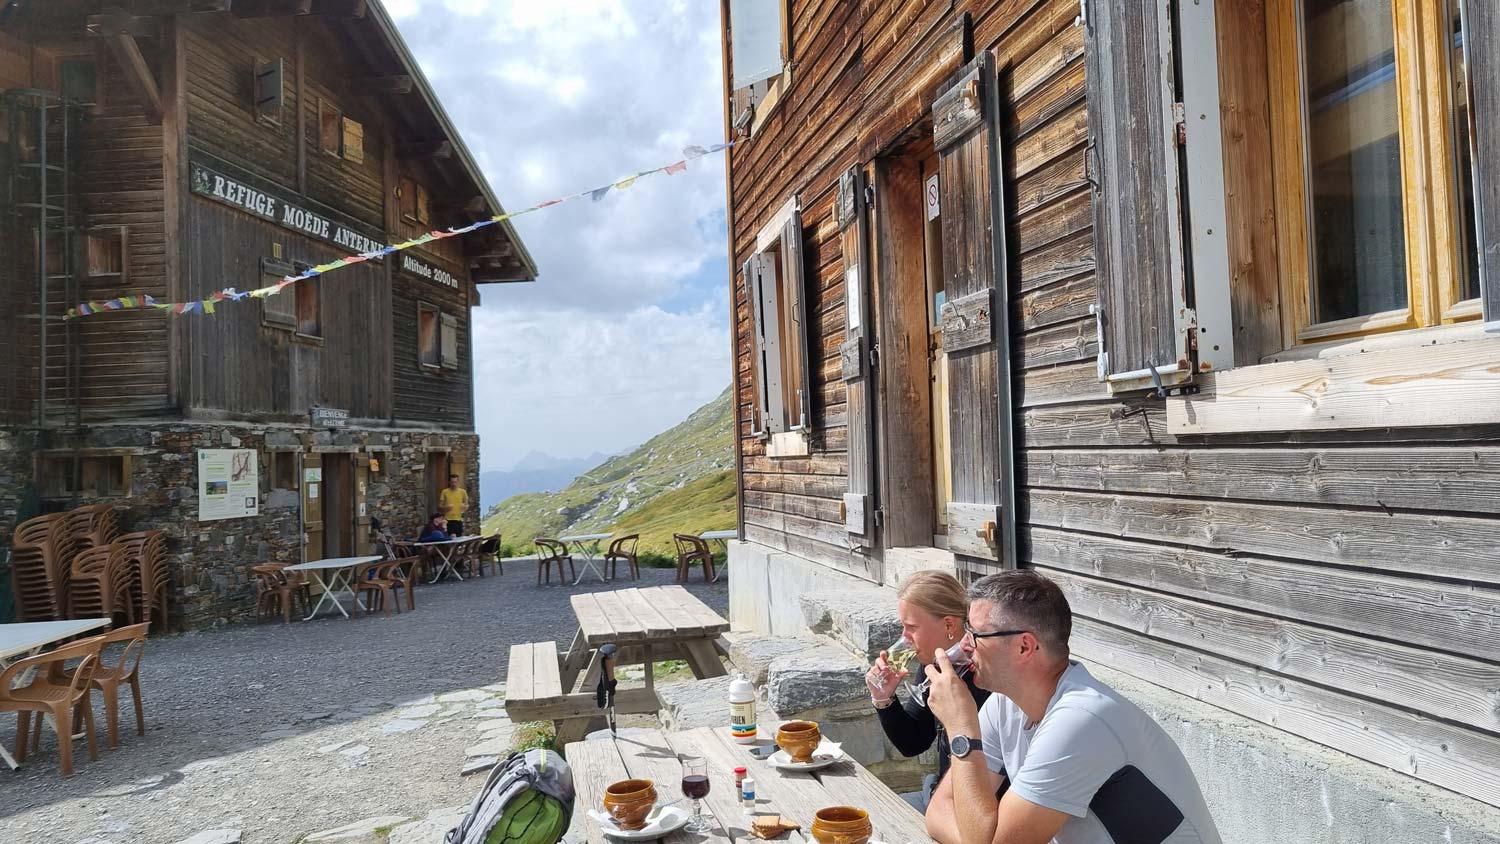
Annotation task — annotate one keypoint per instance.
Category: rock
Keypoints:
(753, 654)
(496, 746)
(355, 751)
(431, 829)
(400, 725)
(329, 748)
(426, 710)
(308, 717)
(702, 703)
(824, 675)
(864, 620)
(498, 688)
(214, 836)
(465, 695)
(475, 764)
(375, 830)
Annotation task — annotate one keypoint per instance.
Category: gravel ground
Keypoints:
(236, 717)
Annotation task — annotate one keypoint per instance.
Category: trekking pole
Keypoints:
(604, 694)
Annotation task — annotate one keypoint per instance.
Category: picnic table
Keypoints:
(656, 755)
(589, 552)
(337, 583)
(444, 550)
(645, 625)
(28, 638)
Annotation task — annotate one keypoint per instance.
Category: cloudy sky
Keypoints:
(626, 331)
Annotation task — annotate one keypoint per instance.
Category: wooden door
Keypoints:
(338, 506)
(437, 478)
(362, 543)
(976, 330)
(312, 507)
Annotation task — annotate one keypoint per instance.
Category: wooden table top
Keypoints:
(656, 755)
(654, 614)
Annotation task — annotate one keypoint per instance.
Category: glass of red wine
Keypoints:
(695, 785)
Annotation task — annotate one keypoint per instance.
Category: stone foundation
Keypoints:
(210, 561)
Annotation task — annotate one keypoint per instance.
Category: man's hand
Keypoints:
(949, 699)
(881, 680)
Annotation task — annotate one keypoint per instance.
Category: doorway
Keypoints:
(338, 505)
(437, 478)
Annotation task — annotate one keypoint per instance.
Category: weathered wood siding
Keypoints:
(432, 396)
(1342, 586)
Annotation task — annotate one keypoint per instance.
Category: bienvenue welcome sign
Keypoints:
(268, 206)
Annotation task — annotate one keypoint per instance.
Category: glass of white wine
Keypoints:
(902, 656)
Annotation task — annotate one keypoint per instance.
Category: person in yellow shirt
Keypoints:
(453, 501)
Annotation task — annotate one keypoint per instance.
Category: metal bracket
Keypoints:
(879, 517)
(874, 355)
(869, 195)
(1179, 119)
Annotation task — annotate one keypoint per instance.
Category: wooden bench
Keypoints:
(534, 692)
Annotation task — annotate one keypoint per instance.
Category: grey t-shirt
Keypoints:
(1098, 757)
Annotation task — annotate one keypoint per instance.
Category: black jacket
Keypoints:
(912, 728)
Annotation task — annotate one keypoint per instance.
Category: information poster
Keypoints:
(228, 483)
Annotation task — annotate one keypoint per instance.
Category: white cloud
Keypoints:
(562, 96)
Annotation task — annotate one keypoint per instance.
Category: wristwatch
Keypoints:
(962, 746)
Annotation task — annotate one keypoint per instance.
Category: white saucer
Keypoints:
(661, 821)
(828, 753)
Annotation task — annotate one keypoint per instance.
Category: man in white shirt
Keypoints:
(1064, 757)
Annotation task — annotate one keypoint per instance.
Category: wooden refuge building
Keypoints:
(173, 148)
(1182, 303)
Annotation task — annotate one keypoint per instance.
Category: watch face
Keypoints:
(961, 746)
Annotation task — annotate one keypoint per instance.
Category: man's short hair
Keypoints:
(452, 477)
(1027, 600)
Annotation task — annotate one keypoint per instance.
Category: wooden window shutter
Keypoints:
(449, 341)
(856, 357)
(1132, 159)
(976, 329)
(760, 280)
(1482, 52)
(748, 273)
(354, 141)
(795, 289)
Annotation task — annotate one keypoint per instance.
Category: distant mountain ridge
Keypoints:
(536, 472)
(679, 461)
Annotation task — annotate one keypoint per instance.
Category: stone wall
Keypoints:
(210, 561)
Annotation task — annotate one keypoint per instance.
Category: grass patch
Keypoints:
(534, 734)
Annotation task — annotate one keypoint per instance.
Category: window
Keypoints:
(429, 340)
(86, 475)
(354, 141)
(105, 252)
(331, 126)
(774, 283)
(283, 469)
(78, 79)
(760, 55)
(278, 310)
(1373, 169)
(309, 307)
(270, 89)
(424, 205)
(406, 195)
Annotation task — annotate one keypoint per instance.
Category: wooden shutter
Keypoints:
(1482, 52)
(748, 273)
(312, 507)
(976, 331)
(362, 544)
(760, 284)
(1143, 312)
(795, 290)
(354, 141)
(859, 501)
(448, 344)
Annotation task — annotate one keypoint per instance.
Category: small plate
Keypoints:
(662, 821)
(824, 756)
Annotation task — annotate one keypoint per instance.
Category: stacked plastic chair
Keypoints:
(99, 585)
(39, 577)
(93, 525)
(146, 562)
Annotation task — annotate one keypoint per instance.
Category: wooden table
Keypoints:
(337, 582)
(27, 638)
(656, 755)
(589, 551)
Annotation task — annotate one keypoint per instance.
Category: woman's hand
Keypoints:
(882, 681)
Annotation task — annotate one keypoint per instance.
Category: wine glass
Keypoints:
(695, 785)
(958, 658)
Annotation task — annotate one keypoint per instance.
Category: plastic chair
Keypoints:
(146, 559)
(489, 552)
(405, 573)
(93, 525)
(108, 678)
(692, 549)
(272, 592)
(99, 584)
(618, 551)
(45, 697)
(41, 556)
(368, 579)
(549, 551)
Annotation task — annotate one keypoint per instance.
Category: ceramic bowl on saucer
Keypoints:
(841, 825)
(799, 739)
(628, 802)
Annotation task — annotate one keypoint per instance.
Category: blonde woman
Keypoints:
(932, 606)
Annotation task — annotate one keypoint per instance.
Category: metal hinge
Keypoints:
(869, 195)
(879, 516)
(874, 355)
(1179, 120)
(1083, 13)
(1103, 359)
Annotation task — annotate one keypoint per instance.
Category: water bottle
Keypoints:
(742, 710)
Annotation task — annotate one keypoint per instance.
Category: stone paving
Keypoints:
(283, 734)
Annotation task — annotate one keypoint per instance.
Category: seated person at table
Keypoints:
(436, 529)
(1083, 764)
(453, 501)
(932, 607)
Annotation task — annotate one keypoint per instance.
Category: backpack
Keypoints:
(528, 799)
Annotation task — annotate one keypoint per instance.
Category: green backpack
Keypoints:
(528, 799)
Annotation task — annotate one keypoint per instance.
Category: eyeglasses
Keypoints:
(976, 635)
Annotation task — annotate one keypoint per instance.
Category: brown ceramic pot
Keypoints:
(629, 802)
(841, 825)
(799, 739)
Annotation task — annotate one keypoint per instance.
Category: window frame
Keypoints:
(790, 434)
(325, 109)
(57, 490)
(119, 236)
(436, 364)
(761, 99)
(309, 293)
(1429, 162)
(406, 190)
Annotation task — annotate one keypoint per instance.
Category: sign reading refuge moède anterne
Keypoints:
(268, 206)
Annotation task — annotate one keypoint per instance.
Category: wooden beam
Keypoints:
(271, 8)
(138, 73)
(424, 150)
(340, 8)
(501, 276)
(117, 21)
(172, 7)
(499, 250)
(375, 85)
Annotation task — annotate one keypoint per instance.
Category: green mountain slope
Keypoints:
(680, 480)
